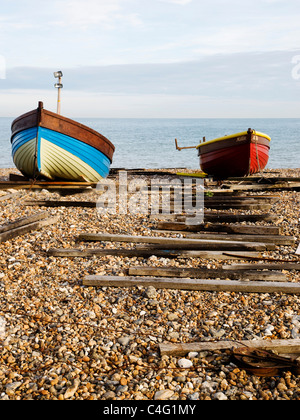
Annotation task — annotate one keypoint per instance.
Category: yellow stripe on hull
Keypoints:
(232, 136)
(59, 163)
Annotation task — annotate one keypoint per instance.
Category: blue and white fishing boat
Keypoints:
(48, 145)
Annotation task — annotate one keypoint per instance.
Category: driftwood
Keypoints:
(210, 217)
(25, 225)
(12, 194)
(147, 253)
(264, 266)
(213, 227)
(207, 273)
(280, 346)
(23, 221)
(179, 243)
(265, 187)
(267, 181)
(273, 239)
(268, 259)
(247, 199)
(194, 284)
(60, 203)
(93, 204)
(38, 185)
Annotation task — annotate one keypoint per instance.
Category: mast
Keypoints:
(59, 86)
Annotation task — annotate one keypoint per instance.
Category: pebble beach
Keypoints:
(60, 340)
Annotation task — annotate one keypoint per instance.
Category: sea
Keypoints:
(150, 143)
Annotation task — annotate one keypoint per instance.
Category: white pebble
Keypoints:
(185, 363)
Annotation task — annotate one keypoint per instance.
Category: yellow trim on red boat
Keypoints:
(244, 133)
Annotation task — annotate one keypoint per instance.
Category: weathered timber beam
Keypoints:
(178, 243)
(60, 203)
(196, 284)
(147, 253)
(27, 228)
(207, 273)
(273, 239)
(281, 346)
(284, 265)
(23, 221)
(216, 227)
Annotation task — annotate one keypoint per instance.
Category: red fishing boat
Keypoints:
(239, 154)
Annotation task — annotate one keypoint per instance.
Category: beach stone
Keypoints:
(11, 388)
(194, 397)
(209, 386)
(220, 396)
(185, 363)
(172, 317)
(124, 341)
(180, 379)
(164, 394)
(109, 395)
(72, 390)
(150, 292)
(193, 354)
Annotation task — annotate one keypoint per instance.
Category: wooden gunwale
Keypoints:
(55, 122)
(224, 143)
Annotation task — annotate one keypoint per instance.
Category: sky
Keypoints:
(152, 58)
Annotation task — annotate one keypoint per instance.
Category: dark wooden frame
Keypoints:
(52, 121)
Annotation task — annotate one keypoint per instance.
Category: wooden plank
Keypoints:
(178, 243)
(273, 239)
(242, 198)
(147, 253)
(250, 206)
(181, 349)
(272, 260)
(225, 205)
(9, 196)
(266, 187)
(264, 266)
(216, 227)
(225, 246)
(193, 284)
(24, 221)
(220, 198)
(207, 273)
(33, 185)
(210, 217)
(233, 218)
(267, 180)
(27, 228)
(60, 203)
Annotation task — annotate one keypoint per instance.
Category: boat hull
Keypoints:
(239, 155)
(47, 145)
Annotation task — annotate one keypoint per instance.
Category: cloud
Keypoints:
(222, 75)
(181, 2)
(82, 14)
